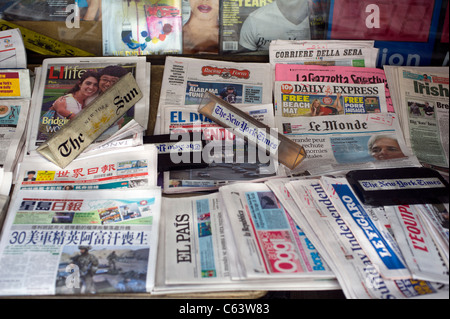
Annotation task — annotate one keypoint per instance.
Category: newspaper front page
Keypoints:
(72, 242)
(185, 80)
(357, 275)
(13, 121)
(230, 158)
(416, 244)
(344, 142)
(270, 243)
(131, 167)
(423, 107)
(336, 74)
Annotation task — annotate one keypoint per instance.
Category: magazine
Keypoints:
(59, 96)
(201, 27)
(131, 28)
(13, 121)
(80, 242)
(252, 25)
(344, 142)
(38, 10)
(269, 242)
(358, 276)
(421, 102)
(336, 74)
(186, 79)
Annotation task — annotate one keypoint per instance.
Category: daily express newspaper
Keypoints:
(230, 158)
(343, 142)
(130, 167)
(269, 242)
(13, 120)
(356, 273)
(186, 79)
(416, 243)
(72, 242)
(335, 74)
(423, 106)
(63, 78)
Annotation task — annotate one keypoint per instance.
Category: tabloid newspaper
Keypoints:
(269, 242)
(251, 25)
(186, 79)
(15, 84)
(416, 244)
(230, 159)
(422, 104)
(344, 142)
(13, 121)
(12, 49)
(58, 96)
(335, 74)
(72, 242)
(329, 52)
(356, 272)
(141, 28)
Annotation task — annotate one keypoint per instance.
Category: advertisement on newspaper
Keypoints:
(349, 142)
(229, 158)
(252, 25)
(78, 242)
(335, 74)
(130, 168)
(195, 241)
(185, 80)
(294, 99)
(68, 85)
(425, 109)
(358, 276)
(270, 243)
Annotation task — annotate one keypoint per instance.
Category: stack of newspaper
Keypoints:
(420, 97)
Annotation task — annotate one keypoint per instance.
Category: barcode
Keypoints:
(230, 45)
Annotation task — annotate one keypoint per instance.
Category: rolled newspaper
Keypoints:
(243, 125)
(91, 122)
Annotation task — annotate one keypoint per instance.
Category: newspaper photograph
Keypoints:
(355, 272)
(423, 108)
(294, 98)
(344, 142)
(13, 121)
(230, 158)
(78, 242)
(416, 244)
(196, 246)
(327, 52)
(335, 74)
(131, 167)
(186, 79)
(270, 243)
(68, 85)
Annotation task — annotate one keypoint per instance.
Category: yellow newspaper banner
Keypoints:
(42, 44)
(9, 84)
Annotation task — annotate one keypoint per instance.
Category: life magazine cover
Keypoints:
(77, 242)
(141, 27)
(68, 85)
(250, 26)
